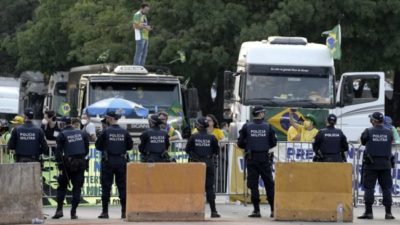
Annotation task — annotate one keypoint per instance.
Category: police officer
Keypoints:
(202, 147)
(257, 138)
(28, 140)
(377, 165)
(154, 142)
(72, 148)
(330, 143)
(113, 142)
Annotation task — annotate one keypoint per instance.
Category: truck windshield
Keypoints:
(150, 95)
(289, 89)
(60, 97)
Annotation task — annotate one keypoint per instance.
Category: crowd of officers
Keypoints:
(29, 142)
(256, 138)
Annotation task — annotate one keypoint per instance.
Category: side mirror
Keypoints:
(73, 102)
(229, 84)
(192, 102)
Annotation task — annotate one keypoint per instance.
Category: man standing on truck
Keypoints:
(257, 138)
(142, 28)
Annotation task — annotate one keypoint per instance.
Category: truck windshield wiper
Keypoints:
(306, 102)
(264, 100)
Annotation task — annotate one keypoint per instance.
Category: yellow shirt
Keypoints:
(218, 133)
(307, 135)
(292, 133)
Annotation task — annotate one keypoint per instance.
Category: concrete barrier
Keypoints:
(165, 192)
(312, 191)
(20, 193)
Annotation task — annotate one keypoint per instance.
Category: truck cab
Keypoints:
(153, 91)
(56, 97)
(288, 72)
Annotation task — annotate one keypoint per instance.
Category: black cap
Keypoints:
(113, 114)
(202, 122)
(155, 119)
(29, 113)
(331, 118)
(66, 119)
(258, 109)
(377, 116)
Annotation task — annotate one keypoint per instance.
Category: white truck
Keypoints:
(288, 72)
(56, 97)
(155, 92)
(9, 96)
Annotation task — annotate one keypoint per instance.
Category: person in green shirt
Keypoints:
(142, 28)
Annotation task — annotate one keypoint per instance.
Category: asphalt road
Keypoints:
(231, 214)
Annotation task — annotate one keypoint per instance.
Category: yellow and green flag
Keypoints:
(333, 41)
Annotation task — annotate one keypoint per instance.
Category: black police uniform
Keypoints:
(114, 142)
(28, 142)
(257, 138)
(154, 144)
(202, 147)
(72, 148)
(330, 144)
(377, 165)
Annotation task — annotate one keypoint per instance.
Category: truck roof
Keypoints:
(265, 53)
(148, 78)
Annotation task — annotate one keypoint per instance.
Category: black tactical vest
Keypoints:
(203, 144)
(331, 141)
(28, 143)
(379, 142)
(74, 144)
(257, 137)
(115, 140)
(156, 142)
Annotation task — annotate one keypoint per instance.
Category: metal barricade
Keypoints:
(359, 192)
(227, 177)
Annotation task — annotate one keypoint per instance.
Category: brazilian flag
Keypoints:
(333, 41)
(64, 109)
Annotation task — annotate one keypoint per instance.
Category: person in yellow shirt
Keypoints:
(213, 127)
(307, 130)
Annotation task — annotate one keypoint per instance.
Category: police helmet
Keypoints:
(29, 113)
(377, 116)
(331, 119)
(155, 120)
(202, 122)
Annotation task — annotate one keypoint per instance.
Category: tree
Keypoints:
(41, 44)
(13, 15)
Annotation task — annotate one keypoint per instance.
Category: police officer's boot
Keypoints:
(272, 211)
(59, 212)
(214, 213)
(256, 212)
(388, 214)
(103, 215)
(123, 213)
(367, 214)
(73, 212)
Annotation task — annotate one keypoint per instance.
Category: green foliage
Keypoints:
(64, 33)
